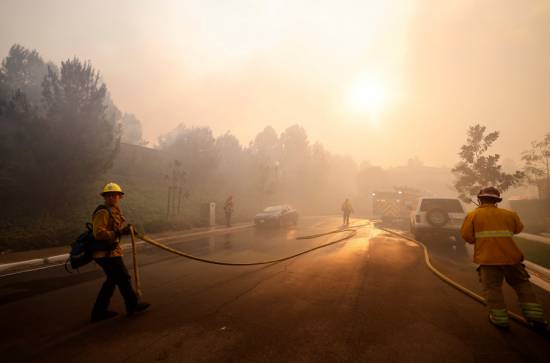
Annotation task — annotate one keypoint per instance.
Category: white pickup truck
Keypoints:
(440, 217)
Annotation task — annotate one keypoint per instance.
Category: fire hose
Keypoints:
(352, 231)
(427, 259)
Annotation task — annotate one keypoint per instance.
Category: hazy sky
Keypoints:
(380, 80)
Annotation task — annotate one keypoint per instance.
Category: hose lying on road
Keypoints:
(352, 231)
(456, 285)
(353, 227)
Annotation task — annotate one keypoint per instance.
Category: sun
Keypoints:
(368, 96)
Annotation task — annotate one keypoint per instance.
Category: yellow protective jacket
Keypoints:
(491, 229)
(347, 208)
(104, 230)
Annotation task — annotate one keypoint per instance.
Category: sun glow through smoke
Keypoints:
(368, 96)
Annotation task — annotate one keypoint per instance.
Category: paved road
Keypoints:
(368, 299)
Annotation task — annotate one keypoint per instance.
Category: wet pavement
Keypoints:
(370, 298)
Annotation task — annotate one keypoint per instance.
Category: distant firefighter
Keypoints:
(228, 209)
(347, 209)
(491, 230)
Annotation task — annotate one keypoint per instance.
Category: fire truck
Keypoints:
(393, 205)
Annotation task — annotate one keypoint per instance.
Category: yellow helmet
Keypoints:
(112, 188)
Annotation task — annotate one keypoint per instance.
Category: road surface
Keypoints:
(370, 298)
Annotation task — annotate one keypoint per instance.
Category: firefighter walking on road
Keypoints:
(491, 230)
(109, 226)
(228, 209)
(347, 209)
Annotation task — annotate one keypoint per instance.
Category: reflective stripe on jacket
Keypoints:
(491, 230)
(104, 230)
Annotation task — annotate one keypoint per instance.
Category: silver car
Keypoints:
(277, 215)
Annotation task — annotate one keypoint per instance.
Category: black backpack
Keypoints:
(85, 245)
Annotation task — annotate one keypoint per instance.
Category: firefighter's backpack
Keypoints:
(83, 247)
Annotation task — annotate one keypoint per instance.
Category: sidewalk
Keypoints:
(46, 256)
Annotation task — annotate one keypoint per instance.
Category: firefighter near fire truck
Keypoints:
(491, 230)
(347, 210)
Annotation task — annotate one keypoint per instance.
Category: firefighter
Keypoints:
(108, 225)
(347, 209)
(228, 209)
(490, 229)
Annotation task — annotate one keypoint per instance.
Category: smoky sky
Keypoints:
(380, 81)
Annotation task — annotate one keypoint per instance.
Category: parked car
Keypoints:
(437, 216)
(278, 215)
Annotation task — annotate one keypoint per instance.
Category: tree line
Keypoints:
(60, 131)
(272, 169)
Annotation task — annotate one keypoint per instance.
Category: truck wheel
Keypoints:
(437, 217)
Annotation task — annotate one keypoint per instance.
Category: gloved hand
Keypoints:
(126, 229)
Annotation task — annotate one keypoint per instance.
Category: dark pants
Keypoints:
(228, 219)
(117, 275)
(516, 276)
(346, 217)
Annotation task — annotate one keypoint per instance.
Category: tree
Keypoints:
(231, 157)
(295, 158)
(317, 177)
(265, 151)
(82, 138)
(19, 125)
(195, 147)
(294, 144)
(477, 169)
(537, 165)
(266, 147)
(233, 172)
(24, 70)
(131, 130)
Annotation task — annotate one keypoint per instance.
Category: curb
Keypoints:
(535, 238)
(540, 270)
(36, 262)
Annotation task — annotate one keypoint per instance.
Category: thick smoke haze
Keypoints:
(379, 81)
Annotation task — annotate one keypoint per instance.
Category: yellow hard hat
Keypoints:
(112, 188)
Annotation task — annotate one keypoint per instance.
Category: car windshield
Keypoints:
(448, 205)
(276, 208)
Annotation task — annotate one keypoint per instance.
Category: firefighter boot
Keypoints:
(534, 313)
(499, 317)
(140, 307)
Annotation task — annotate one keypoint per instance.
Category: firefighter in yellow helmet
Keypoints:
(347, 209)
(108, 226)
(491, 230)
